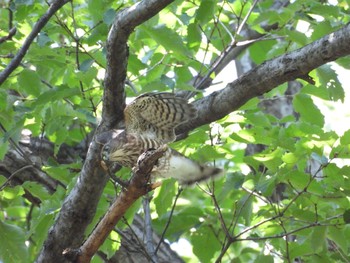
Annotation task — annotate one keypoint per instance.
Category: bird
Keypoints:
(150, 122)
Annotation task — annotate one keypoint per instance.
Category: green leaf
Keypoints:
(300, 249)
(304, 105)
(194, 36)
(297, 37)
(339, 236)
(12, 244)
(169, 39)
(264, 259)
(40, 226)
(109, 16)
(86, 64)
(11, 192)
(298, 179)
(329, 78)
(345, 138)
(346, 216)
(57, 94)
(258, 51)
(111, 244)
(321, 29)
(3, 149)
(344, 62)
(320, 91)
(43, 39)
(36, 190)
(245, 205)
(29, 82)
(258, 119)
(135, 65)
(206, 11)
(165, 197)
(184, 218)
(205, 244)
(318, 239)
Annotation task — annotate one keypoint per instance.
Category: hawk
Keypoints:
(150, 122)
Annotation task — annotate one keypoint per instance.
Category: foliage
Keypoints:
(244, 216)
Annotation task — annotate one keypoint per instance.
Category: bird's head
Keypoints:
(105, 152)
(117, 150)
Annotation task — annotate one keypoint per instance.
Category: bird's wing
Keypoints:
(156, 115)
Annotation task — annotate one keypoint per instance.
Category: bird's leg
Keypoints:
(147, 161)
(161, 162)
(118, 180)
(115, 179)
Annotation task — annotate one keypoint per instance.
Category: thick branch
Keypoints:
(117, 55)
(138, 187)
(79, 207)
(77, 210)
(268, 75)
(37, 28)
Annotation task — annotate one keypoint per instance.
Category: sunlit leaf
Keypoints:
(12, 244)
(308, 111)
(165, 197)
(328, 78)
(194, 37)
(205, 12)
(204, 238)
(168, 39)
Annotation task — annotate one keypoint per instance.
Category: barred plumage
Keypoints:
(156, 115)
(150, 122)
(125, 148)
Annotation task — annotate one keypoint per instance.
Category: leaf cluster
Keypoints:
(288, 200)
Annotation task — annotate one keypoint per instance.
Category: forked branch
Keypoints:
(139, 185)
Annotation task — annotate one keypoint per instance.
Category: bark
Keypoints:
(270, 74)
(80, 205)
(117, 55)
(137, 187)
(132, 249)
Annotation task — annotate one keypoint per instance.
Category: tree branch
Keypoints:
(117, 55)
(149, 245)
(138, 187)
(11, 33)
(268, 75)
(54, 7)
(79, 207)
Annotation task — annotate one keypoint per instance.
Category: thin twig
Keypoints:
(133, 234)
(148, 228)
(55, 6)
(11, 33)
(14, 174)
(169, 220)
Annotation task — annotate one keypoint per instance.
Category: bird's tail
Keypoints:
(186, 171)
